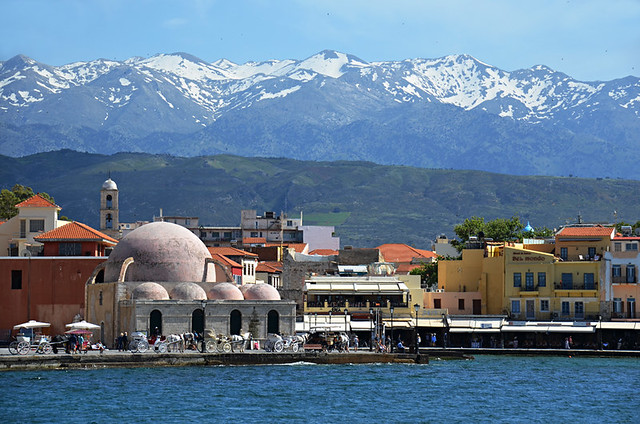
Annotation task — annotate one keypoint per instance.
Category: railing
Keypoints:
(576, 286)
(622, 279)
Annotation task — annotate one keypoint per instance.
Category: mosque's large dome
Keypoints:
(161, 251)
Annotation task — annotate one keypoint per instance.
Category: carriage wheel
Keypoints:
(162, 348)
(226, 347)
(295, 347)
(143, 345)
(23, 348)
(278, 346)
(46, 348)
(13, 347)
(133, 346)
(210, 346)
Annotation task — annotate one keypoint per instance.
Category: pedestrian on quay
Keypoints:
(356, 342)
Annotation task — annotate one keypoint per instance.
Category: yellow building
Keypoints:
(524, 284)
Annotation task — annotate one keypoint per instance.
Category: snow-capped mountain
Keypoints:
(454, 111)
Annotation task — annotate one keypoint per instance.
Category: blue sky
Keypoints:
(586, 39)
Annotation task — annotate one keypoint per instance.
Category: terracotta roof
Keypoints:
(75, 231)
(36, 201)
(324, 252)
(626, 238)
(398, 252)
(226, 260)
(254, 240)
(230, 251)
(271, 267)
(593, 231)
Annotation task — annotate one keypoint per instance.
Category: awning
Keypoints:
(548, 329)
(617, 325)
(473, 330)
(429, 322)
(361, 287)
(397, 323)
(361, 325)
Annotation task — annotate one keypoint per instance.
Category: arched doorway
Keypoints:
(155, 321)
(197, 321)
(273, 322)
(236, 322)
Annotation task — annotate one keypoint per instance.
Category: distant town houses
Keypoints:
(581, 283)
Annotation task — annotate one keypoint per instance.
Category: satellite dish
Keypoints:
(637, 231)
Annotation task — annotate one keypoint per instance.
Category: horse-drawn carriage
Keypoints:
(170, 343)
(222, 343)
(138, 343)
(29, 338)
(277, 343)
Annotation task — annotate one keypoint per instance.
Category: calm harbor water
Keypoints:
(487, 389)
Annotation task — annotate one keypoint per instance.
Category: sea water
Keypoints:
(488, 389)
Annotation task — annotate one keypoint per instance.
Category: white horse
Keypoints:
(175, 342)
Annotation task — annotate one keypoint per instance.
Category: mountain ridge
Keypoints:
(329, 106)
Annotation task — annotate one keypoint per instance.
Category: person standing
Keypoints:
(356, 341)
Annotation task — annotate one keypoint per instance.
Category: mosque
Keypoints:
(161, 276)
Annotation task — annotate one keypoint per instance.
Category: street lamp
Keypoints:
(417, 308)
(371, 334)
(444, 334)
(600, 332)
(204, 324)
(392, 340)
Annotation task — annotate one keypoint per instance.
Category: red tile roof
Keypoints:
(254, 240)
(324, 252)
(76, 231)
(225, 260)
(36, 201)
(398, 252)
(593, 231)
(270, 267)
(230, 251)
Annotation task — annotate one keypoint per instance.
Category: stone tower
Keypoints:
(109, 212)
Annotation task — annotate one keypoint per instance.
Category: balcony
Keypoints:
(575, 286)
(622, 279)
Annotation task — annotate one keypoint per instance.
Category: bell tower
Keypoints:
(109, 212)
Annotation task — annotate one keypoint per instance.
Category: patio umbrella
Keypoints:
(32, 324)
(82, 325)
(78, 331)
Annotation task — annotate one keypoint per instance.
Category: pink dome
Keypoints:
(150, 291)
(188, 291)
(161, 251)
(225, 291)
(260, 291)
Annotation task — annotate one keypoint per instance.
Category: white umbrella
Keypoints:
(32, 324)
(82, 325)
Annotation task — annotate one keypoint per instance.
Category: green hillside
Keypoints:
(369, 204)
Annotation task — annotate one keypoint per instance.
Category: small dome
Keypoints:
(260, 291)
(188, 291)
(225, 291)
(528, 228)
(109, 185)
(150, 291)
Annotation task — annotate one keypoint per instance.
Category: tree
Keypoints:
(428, 273)
(499, 229)
(10, 198)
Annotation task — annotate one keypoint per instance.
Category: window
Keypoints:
(631, 274)
(289, 223)
(564, 253)
(187, 221)
(578, 308)
(100, 299)
(36, 225)
(617, 247)
(589, 281)
(215, 234)
(542, 279)
(16, 279)
(617, 305)
(254, 234)
(565, 308)
(437, 304)
(109, 221)
(70, 249)
(544, 305)
(109, 201)
(528, 280)
(461, 304)
(515, 306)
(616, 271)
(631, 246)
(517, 279)
(23, 228)
(227, 234)
(567, 281)
(591, 252)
